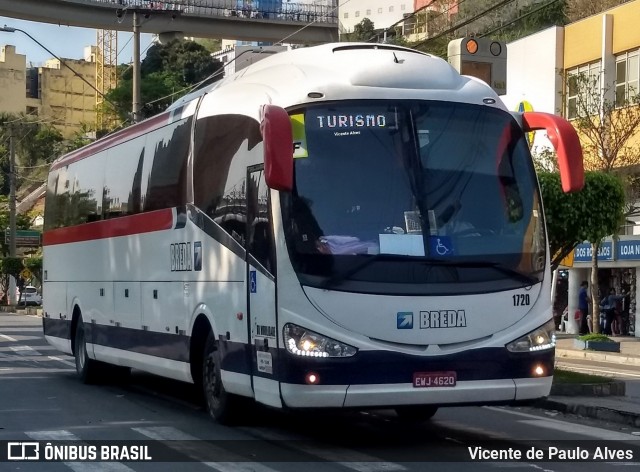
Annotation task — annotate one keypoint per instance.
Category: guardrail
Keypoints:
(264, 10)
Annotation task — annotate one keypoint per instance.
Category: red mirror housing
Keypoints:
(277, 135)
(565, 140)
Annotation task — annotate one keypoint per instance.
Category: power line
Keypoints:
(464, 23)
(519, 18)
(10, 29)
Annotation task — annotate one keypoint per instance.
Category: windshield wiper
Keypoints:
(340, 277)
(513, 273)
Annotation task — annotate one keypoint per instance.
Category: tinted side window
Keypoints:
(164, 172)
(86, 180)
(260, 234)
(52, 207)
(123, 179)
(74, 193)
(224, 146)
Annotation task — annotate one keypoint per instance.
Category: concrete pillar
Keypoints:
(634, 319)
(576, 277)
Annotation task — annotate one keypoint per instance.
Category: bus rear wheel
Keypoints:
(86, 367)
(417, 413)
(221, 405)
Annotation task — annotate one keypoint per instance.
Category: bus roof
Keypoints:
(338, 71)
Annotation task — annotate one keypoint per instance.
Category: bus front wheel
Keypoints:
(86, 367)
(220, 404)
(416, 414)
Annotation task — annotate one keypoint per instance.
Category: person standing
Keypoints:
(611, 305)
(583, 306)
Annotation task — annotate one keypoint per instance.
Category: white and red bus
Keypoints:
(342, 226)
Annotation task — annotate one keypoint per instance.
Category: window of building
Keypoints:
(358, 14)
(346, 15)
(379, 10)
(583, 84)
(627, 74)
(390, 8)
(403, 7)
(368, 12)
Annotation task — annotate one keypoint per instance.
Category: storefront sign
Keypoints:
(583, 252)
(628, 250)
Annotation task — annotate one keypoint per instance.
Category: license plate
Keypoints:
(434, 379)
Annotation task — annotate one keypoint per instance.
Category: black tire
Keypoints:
(222, 406)
(86, 368)
(417, 413)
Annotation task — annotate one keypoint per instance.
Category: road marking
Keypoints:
(62, 435)
(347, 458)
(21, 330)
(583, 430)
(69, 363)
(24, 350)
(568, 427)
(8, 338)
(188, 447)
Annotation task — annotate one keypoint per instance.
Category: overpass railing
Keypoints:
(271, 10)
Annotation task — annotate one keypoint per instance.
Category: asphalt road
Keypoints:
(41, 400)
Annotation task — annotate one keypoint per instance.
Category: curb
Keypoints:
(597, 412)
(613, 388)
(613, 358)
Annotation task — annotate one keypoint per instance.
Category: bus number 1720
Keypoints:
(521, 299)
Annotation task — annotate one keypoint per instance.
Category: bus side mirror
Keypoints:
(565, 140)
(277, 136)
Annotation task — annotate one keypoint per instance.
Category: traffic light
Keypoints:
(483, 58)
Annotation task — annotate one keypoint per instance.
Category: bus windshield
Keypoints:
(406, 197)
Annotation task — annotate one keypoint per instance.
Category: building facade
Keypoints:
(13, 68)
(383, 13)
(606, 48)
(52, 92)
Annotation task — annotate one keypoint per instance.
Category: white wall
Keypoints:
(533, 63)
(356, 11)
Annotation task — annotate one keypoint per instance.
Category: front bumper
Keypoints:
(481, 392)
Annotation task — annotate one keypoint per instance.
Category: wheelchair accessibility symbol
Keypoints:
(253, 285)
(440, 246)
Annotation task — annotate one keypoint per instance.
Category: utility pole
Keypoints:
(12, 194)
(136, 68)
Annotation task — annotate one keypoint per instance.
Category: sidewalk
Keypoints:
(619, 409)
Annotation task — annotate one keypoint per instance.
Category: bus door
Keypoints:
(261, 288)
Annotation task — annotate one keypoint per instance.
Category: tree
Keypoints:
(36, 145)
(607, 119)
(168, 72)
(589, 215)
(363, 31)
(578, 9)
(11, 267)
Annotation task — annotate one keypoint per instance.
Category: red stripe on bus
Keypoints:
(120, 137)
(125, 226)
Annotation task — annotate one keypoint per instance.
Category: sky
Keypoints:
(64, 41)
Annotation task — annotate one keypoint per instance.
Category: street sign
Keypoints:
(24, 238)
(26, 274)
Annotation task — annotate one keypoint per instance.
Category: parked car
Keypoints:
(30, 296)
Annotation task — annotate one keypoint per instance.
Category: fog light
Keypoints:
(538, 371)
(312, 378)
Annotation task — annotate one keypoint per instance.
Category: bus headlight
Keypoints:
(539, 339)
(305, 343)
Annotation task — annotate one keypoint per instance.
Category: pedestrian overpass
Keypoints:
(248, 20)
